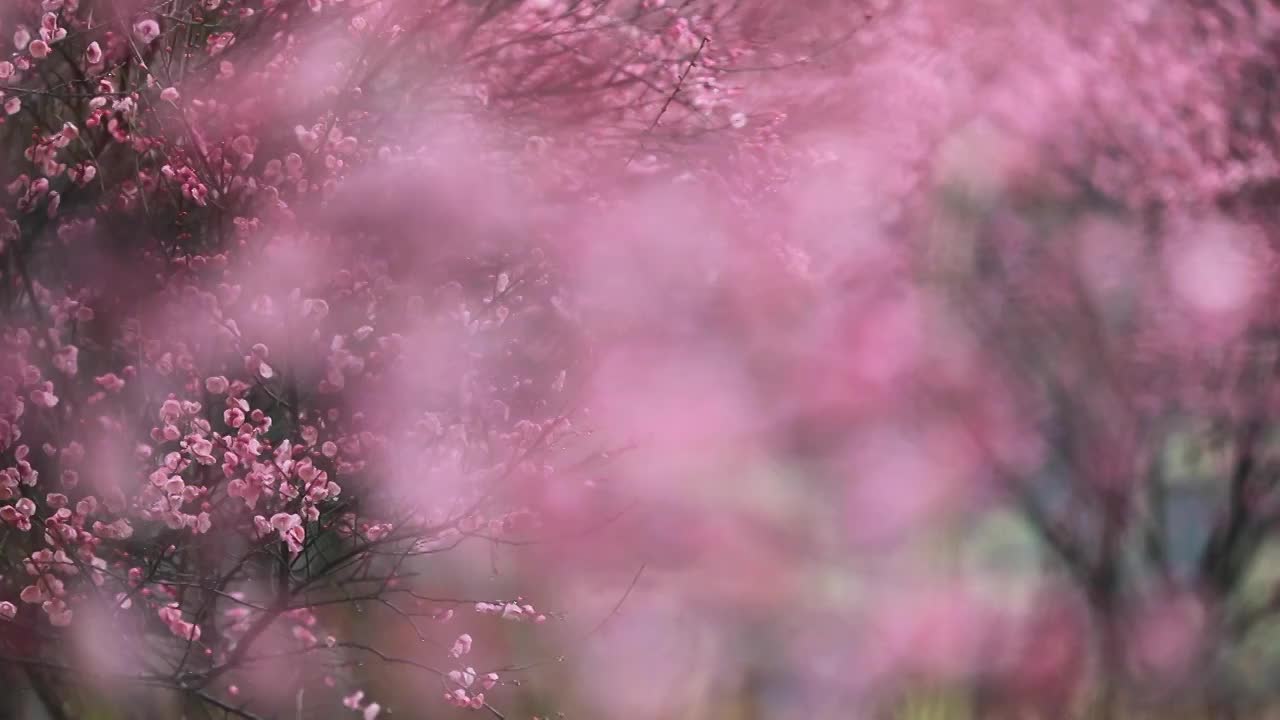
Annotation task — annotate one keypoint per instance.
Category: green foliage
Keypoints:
(935, 705)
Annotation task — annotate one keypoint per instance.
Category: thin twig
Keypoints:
(670, 98)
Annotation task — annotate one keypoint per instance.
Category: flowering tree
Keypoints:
(1072, 323)
(1123, 300)
(236, 394)
(308, 308)
(1061, 332)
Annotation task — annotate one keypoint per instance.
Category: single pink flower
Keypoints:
(461, 646)
(146, 30)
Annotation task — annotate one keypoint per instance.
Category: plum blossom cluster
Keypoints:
(465, 687)
(515, 611)
(355, 701)
(464, 695)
